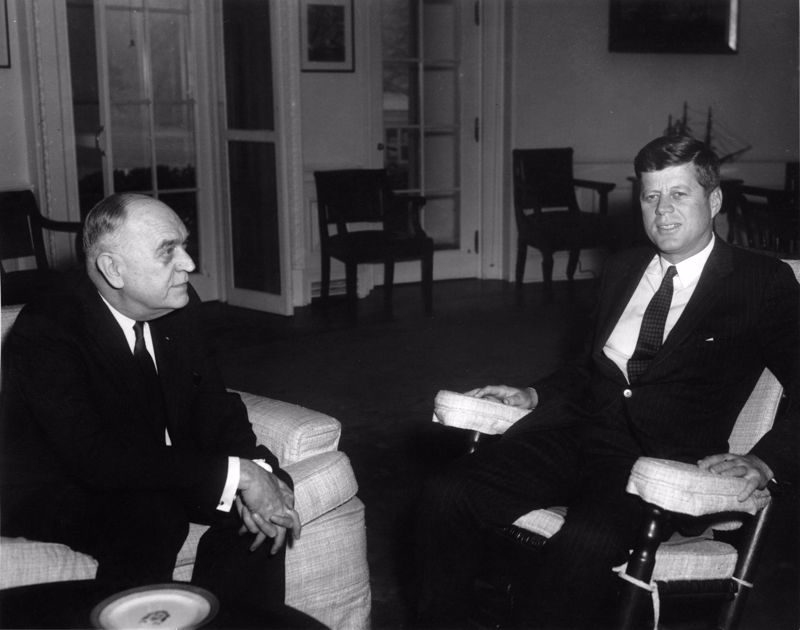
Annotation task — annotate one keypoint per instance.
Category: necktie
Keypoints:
(651, 333)
(152, 383)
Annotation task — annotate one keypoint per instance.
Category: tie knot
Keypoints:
(138, 330)
(672, 271)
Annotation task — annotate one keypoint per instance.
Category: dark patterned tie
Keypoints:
(147, 367)
(651, 333)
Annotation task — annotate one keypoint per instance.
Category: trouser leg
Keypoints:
(490, 488)
(134, 536)
(226, 566)
(573, 585)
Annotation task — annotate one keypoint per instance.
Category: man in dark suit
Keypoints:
(729, 313)
(117, 430)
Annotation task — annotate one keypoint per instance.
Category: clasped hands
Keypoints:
(266, 506)
(750, 467)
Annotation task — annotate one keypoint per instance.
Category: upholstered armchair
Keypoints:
(326, 569)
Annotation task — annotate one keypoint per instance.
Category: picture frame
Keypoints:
(326, 36)
(673, 26)
(5, 48)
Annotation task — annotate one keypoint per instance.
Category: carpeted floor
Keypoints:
(379, 377)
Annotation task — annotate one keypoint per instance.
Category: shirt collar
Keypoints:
(689, 270)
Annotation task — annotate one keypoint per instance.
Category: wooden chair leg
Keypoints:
(572, 263)
(731, 611)
(351, 282)
(388, 283)
(547, 274)
(634, 600)
(325, 285)
(522, 254)
(427, 281)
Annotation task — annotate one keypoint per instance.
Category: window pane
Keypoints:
(130, 136)
(248, 61)
(125, 40)
(168, 43)
(254, 216)
(398, 29)
(175, 150)
(442, 220)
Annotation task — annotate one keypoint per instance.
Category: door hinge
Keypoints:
(477, 242)
(476, 129)
(477, 12)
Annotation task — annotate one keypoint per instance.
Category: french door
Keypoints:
(134, 78)
(431, 120)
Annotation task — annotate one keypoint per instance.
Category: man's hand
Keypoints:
(523, 398)
(752, 468)
(266, 506)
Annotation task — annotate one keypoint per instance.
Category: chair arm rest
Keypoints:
(686, 489)
(475, 414)
(291, 432)
(602, 187)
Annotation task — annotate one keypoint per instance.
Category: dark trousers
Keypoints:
(503, 481)
(136, 536)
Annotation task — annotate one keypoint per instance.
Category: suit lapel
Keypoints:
(705, 296)
(110, 347)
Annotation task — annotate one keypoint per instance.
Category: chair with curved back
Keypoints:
(21, 237)
(364, 196)
(543, 179)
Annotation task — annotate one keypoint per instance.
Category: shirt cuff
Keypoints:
(232, 482)
(231, 485)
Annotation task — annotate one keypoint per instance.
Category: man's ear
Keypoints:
(109, 267)
(715, 200)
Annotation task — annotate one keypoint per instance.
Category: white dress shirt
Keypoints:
(622, 342)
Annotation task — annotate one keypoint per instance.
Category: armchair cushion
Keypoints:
(474, 414)
(290, 431)
(684, 488)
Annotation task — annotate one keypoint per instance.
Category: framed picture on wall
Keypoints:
(5, 52)
(673, 26)
(326, 35)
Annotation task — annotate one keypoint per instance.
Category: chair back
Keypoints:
(758, 413)
(543, 179)
(351, 196)
(8, 315)
(20, 235)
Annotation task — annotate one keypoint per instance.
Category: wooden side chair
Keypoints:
(718, 564)
(543, 180)
(363, 196)
(771, 216)
(22, 229)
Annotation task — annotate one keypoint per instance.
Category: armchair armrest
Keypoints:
(684, 488)
(291, 432)
(603, 188)
(474, 414)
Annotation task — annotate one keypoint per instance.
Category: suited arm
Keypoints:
(780, 340)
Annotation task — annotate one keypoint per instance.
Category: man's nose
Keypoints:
(664, 205)
(183, 261)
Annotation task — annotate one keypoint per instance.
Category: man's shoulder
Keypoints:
(63, 308)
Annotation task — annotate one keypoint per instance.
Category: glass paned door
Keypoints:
(134, 107)
(430, 106)
(256, 277)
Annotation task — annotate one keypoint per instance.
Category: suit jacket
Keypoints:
(743, 316)
(74, 410)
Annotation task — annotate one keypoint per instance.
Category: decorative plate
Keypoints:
(156, 606)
